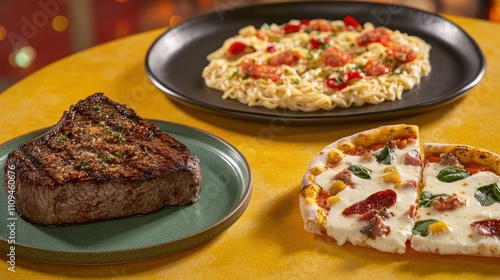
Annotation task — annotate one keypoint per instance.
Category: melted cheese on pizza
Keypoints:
(454, 234)
(397, 176)
(348, 228)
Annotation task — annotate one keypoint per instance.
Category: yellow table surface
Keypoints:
(268, 241)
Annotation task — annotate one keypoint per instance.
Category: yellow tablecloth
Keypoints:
(268, 241)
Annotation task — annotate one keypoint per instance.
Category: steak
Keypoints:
(102, 161)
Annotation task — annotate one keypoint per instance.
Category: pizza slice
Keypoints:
(459, 206)
(362, 189)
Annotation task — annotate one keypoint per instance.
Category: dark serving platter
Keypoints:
(175, 61)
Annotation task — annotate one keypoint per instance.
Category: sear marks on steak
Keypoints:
(102, 161)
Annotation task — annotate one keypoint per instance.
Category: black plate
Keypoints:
(175, 61)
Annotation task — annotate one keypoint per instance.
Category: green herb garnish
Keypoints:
(120, 154)
(426, 198)
(360, 171)
(119, 136)
(386, 156)
(422, 227)
(487, 195)
(452, 174)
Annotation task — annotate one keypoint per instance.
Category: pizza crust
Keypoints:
(466, 154)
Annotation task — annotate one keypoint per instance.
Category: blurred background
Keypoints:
(34, 33)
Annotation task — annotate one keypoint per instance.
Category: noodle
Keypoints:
(303, 86)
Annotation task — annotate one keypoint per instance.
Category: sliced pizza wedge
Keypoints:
(362, 189)
(459, 206)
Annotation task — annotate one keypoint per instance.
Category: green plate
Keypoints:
(225, 196)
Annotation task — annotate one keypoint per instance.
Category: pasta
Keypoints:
(308, 65)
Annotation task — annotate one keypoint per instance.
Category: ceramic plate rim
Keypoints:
(315, 117)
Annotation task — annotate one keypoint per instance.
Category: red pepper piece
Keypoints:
(305, 22)
(338, 84)
(335, 84)
(351, 23)
(487, 227)
(291, 29)
(237, 48)
(315, 44)
(376, 201)
(349, 76)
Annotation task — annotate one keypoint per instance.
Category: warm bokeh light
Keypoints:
(3, 32)
(121, 1)
(23, 57)
(123, 27)
(60, 23)
(494, 13)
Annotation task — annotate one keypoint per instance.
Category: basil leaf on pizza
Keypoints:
(422, 227)
(360, 171)
(386, 156)
(487, 195)
(426, 198)
(452, 174)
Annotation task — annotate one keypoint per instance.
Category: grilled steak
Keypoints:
(101, 161)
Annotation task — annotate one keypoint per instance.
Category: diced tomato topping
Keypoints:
(431, 158)
(271, 48)
(402, 54)
(335, 84)
(351, 23)
(357, 151)
(285, 58)
(349, 76)
(305, 22)
(333, 57)
(318, 43)
(360, 150)
(373, 68)
(315, 44)
(474, 167)
(489, 227)
(237, 48)
(376, 35)
(287, 29)
(376, 201)
(322, 199)
(257, 71)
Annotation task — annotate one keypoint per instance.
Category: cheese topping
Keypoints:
(460, 237)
